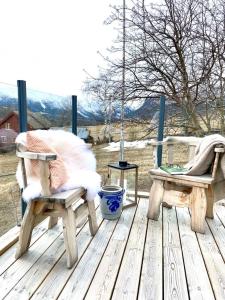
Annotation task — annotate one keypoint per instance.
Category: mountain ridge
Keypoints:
(58, 108)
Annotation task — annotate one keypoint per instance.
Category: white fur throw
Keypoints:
(77, 161)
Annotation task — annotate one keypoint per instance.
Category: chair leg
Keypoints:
(198, 209)
(69, 232)
(92, 218)
(155, 199)
(52, 222)
(210, 203)
(26, 229)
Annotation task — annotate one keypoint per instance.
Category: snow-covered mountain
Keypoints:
(51, 105)
(89, 112)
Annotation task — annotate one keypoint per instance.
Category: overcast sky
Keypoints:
(48, 43)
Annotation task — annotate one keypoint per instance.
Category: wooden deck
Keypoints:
(131, 258)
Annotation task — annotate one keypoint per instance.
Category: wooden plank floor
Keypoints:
(130, 258)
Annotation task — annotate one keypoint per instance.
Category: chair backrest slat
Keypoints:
(218, 150)
(45, 177)
(170, 148)
(24, 174)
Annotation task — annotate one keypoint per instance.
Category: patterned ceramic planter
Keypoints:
(111, 201)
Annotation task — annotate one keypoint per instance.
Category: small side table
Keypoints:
(122, 169)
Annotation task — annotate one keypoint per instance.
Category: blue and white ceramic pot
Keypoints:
(111, 201)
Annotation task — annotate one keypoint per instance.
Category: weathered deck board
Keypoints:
(220, 211)
(218, 230)
(103, 282)
(151, 282)
(197, 279)
(11, 277)
(81, 278)
(127, 259)
(126, 286)
(10, 238)
(8, 258)
(214, 262)
(40, 269)
(32, 279)
(175, 285)
(56, 279)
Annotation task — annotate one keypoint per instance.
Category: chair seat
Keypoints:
(64, 197)
(65, 205)
(186, 179)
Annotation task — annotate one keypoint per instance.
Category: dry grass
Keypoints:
(9, 192)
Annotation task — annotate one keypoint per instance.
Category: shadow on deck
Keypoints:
(127, 259)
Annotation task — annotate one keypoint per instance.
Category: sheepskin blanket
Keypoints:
(74, 167)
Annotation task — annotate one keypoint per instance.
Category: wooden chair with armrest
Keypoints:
(64, 204)
(199, 193)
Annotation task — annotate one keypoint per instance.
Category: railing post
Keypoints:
(161, 129)
(74, 114)
(22, 107)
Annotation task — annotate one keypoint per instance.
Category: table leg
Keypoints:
(136, 185)
(131, 202)
(109, 176)
(122, 179)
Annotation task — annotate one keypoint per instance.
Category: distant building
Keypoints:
(7, 139)
(34, 121)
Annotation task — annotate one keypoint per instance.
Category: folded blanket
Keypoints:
(204, 155)
(74, 167)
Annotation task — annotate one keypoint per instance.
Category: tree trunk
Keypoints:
(192, 122)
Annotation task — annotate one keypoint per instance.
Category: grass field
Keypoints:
(9, 191)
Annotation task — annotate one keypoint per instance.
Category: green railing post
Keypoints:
(22, 107)
(74, 114)
(161, 129)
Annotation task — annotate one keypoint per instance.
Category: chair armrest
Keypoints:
(156, 143)
(174, 140)
(219, 149)
(38, 156)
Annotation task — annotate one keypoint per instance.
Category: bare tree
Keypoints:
(176, 55)
(215, 87)
(104, 90)
(177, 49)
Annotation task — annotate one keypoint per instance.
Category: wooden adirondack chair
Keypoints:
(196, 192)
(64, 204)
